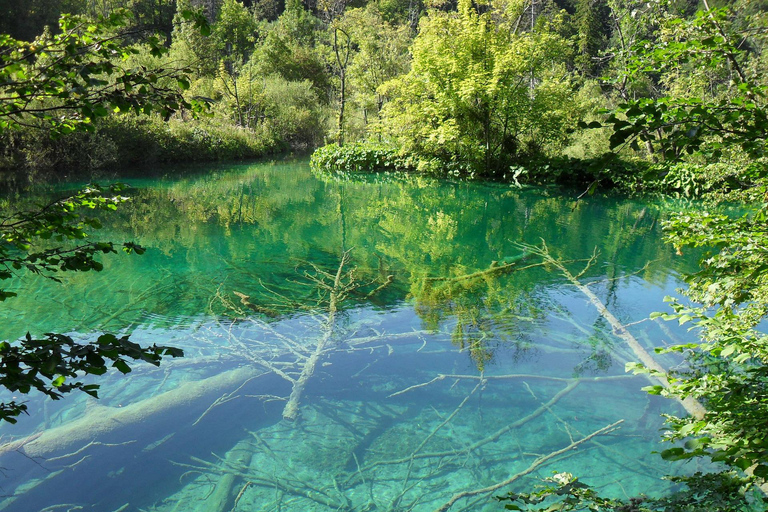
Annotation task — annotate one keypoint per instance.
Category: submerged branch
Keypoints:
(535, 465)
(291, 410)
(489, 439)
(691, 405)
(494, 270)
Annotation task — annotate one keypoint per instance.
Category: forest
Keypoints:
(655, 99)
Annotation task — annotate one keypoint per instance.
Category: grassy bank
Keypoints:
(119, 143)
(605, 172)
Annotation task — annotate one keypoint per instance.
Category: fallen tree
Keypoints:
(101, 421)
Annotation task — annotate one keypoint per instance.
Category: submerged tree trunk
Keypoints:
(106, 420)
(291, 410)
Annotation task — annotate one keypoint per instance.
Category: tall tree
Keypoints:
(382, 54)
(593, 31)
(288, 48)
(480, 91)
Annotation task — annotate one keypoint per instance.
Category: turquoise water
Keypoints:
(422, 372)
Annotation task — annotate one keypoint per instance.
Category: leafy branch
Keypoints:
(53, 364)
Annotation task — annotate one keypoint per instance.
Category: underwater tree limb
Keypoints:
(534, 465)
(226, 397)
(510, 376)
(691, 405)
(104, 420)
(620, 457)
(245, 301)
(89, 445)
(296, 359)
(291, 410)
(494, 270)
(387, 281)
(222, 498)
(448, 419)
(306, 491)
(491, 438)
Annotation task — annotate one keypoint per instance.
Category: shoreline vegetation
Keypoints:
(132, 143)
(604, 173)
(663, 97)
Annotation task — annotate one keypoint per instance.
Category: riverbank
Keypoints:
(128, 142)
(607, 172)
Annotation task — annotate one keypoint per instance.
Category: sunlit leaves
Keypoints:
(64, 81)
(729, 111)
(479, 92)
(727, 369)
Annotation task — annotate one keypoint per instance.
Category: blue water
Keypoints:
(418, 392)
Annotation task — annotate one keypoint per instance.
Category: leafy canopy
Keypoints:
(480, 91)
(728, 110)
(64, 81)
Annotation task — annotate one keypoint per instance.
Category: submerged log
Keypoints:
(102, 421)
(691, 405)
(223, 498)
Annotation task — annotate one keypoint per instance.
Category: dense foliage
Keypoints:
(359, 157)
(481, 93)
(65, 81)
(661, 97)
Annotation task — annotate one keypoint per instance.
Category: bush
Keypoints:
(131, 141)
(293, 115)
(361, 157)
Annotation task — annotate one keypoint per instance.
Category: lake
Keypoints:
(384, 343)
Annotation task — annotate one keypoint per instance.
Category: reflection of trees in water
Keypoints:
(225, 227)
(486, 308)
(296, 359)
(386, 471)
(438, 240)
(231, 225)
(451, 451)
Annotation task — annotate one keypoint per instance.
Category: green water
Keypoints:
(418, 374)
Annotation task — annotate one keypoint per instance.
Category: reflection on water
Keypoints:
(374, 344)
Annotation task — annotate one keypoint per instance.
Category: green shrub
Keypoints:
(606, 172)
(292, 111)
(361, 157)
(129, 142)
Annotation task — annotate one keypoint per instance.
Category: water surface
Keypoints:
(349, 346)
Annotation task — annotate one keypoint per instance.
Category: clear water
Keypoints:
(416, 388)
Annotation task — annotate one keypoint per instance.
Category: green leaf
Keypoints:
(761, 471)
(122, 366)
(673, 454)
(653, 390)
